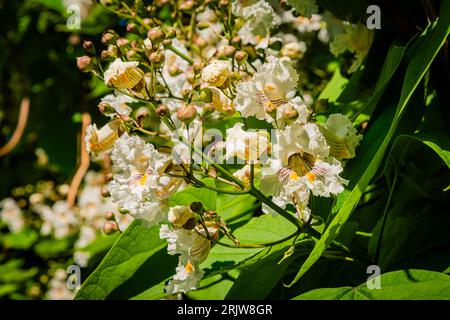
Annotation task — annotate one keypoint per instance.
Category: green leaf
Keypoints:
(335, 87)
(21, 241)
(132, 249)
(397, 285)
(437, 142)
(434, 37)
(52, 248)
(263, 229)
(193, 194)
(257, 280)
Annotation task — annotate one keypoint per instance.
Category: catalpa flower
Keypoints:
(11, 215)
(302, 165)
(341, 136)
(123, 75)
(188, 239)
(119, 103)
(246, 145)
(216, 73)
(98, 141)
(270, 91)
(138, 185)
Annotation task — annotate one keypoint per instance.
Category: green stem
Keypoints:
(179, 53)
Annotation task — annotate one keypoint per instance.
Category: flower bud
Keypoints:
(157, 57)
(89, 46)
(236, 40)
(185, 93)
(108, 37)
(186, 5)
(131, 27)
(229, 51)
(106, 109)
(197, 66)
(187, 113)
(131, 54)
(241, 57)
(167, 42)
(156, 35)
(174, 70)
(290, 115)
(216, 73)
(285, 5)
(123, 42)
(162, 110)
(85, 64)
(208, 109)
(196, 207)
(171, 33)
(109, 215)
(141, 114)
(110, 227)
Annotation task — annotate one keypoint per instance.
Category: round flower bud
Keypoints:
(106, 109)
(109, 215)
(229, 51)
(174, 70)
(186, 113)
(196, 207)
(208, 109)
(89, 46)
(110, 227)
(216, 73)
(131, 27)
(105, 193)
(162, 110)
(186, 5)
(156, 35)
(131, 54)
(122, 42)
(108, 37)
(290, 115)
(185, 92)
(157, 57)
(85, 63)
(167, 42)
(241, 57)
(236, 40)
(197, 66)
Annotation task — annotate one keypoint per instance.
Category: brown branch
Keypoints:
(84, 163)
(20, 128)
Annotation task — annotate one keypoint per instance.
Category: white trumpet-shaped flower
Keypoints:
(246, 145)
(123, 75)
(138, 185)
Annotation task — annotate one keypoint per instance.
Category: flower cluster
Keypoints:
(225, 66)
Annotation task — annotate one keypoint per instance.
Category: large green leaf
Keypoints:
(257, 280)
(263, 229)
(132, 249)
(430, 43)
(194, 194)
(397, 285)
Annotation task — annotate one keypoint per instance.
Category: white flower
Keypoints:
(246, 145)
(294, 50)
(302, 165)
(305, 7)
(119, 102)
(341, 136)
(98, 141)
(216, 73)
(356, 39)
(58, 289)
(59, 220)
(188, 243)
(220, 101)
(11, 215)
(180, 215)
(273, 86)
(81, 258)
(123, 75)
(138, 185)
(187, 277)
(259, 19)
(86, 236)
